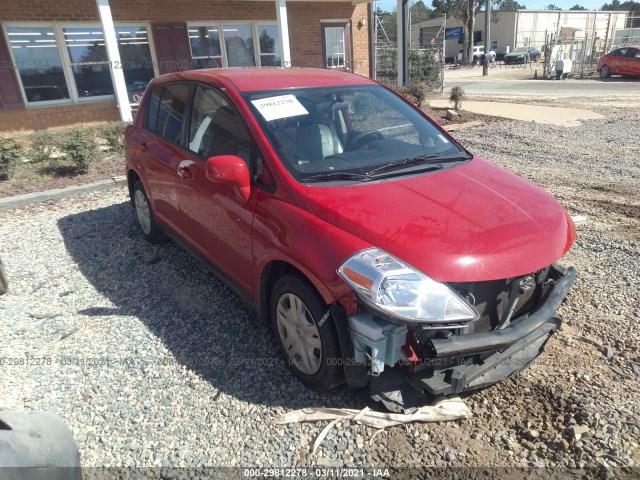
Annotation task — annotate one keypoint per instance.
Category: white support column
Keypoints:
(115, 64)
(283, 30)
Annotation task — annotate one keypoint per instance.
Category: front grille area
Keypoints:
(491, 299)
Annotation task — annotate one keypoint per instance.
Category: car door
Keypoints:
(617, 61)
(632, 62)
(215, 218)
(158, 147)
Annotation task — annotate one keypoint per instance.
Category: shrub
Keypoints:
(9, 153)
(42, 145)
(113, 134)
(456, 96)
(416, 92)
(80, 146)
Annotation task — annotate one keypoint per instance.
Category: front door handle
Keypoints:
(144, 147)
(184, 172)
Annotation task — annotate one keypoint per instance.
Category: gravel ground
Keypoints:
(153, 362)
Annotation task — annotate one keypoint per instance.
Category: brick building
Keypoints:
(75, 61)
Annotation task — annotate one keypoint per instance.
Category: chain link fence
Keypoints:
(581, 45)
(425, 56)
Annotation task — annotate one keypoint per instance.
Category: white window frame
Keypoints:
(209, 24)
(256, 42)
(63, 52)
(65, 72)
(220, 24)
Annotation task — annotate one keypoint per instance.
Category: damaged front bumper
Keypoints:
(455, 363)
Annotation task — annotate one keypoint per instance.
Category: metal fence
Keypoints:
(426, 51)
(592, 35)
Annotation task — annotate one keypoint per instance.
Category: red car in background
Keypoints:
(621, 61)
(380, 250)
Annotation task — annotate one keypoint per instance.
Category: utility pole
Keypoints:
(487, 37)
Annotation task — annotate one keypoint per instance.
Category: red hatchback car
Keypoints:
(381, 251)
(621, 61)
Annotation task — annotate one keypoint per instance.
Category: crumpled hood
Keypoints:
(473, 222)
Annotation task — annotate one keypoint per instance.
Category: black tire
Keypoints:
(150, 230)
(605, 72)
(4, 281)
(329, 373)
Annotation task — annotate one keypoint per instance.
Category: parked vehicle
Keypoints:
(478, 55)
(522, 55)
(380, 250)
(621, 61)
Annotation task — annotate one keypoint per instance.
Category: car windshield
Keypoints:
(349, 133)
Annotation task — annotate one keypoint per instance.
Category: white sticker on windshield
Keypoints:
(443, 138)
(273, 108)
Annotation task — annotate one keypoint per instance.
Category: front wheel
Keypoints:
(605, 72)
(306, 333)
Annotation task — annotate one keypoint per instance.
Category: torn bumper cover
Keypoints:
(453, 363)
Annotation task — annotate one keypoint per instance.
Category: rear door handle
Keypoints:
(184, 172)
(144, 147)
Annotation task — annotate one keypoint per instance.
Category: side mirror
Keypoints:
(230, 170)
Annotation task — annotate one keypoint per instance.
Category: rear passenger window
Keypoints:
(216, 127)
(171, 109)
(152, 110)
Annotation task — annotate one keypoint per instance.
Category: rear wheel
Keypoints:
(605, 72)
(144, 215)
(306, 333)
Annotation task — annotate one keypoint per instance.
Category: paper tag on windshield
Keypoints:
(284, 106)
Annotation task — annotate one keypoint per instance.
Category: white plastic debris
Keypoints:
(445, 410)
(579, 218)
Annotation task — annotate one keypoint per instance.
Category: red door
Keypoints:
(632, 62)
(214, 217)
(172, 47)
(160, 148)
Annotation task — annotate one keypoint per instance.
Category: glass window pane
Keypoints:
(205, 41)
(213, 62)
(334, 46)
(216, 127)
(238, 41)
(89, 61)
(173, 105)
(137, 63)
(269, 39)
(270, 61)
(38, 62)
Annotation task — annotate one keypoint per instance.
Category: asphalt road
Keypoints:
(620, 92)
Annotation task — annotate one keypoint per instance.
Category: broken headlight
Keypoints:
(401, 292)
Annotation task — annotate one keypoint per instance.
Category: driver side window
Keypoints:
(216, 126)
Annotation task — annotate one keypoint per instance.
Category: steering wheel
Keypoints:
(360, 139)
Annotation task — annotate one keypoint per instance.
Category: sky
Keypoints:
(530, 4)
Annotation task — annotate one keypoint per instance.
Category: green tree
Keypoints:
(633, 20)
(577, 7)
(510, 6)
(420, 12)
(551, 6)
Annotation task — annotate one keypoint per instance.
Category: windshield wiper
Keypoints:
(398, 164)
(328, 176)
